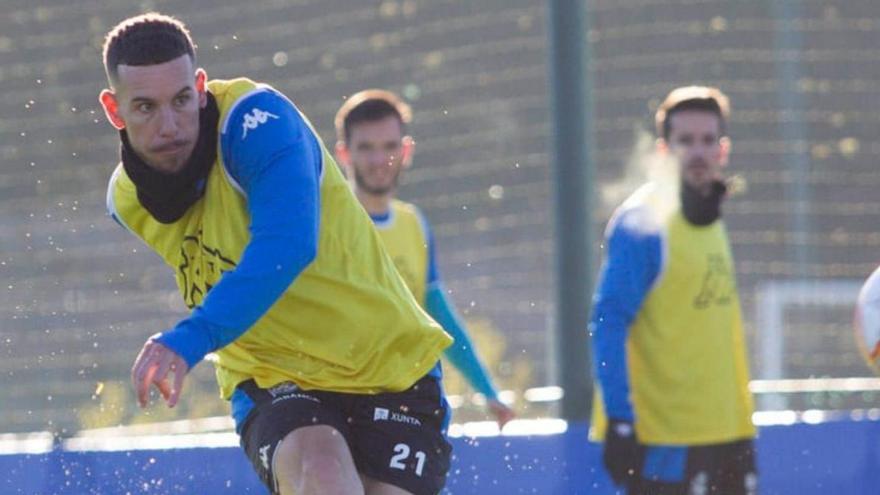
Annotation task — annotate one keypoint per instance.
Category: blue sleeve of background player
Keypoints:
(632, 264)
(461, 353)
(276, 160)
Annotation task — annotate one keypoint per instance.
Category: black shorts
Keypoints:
(396, 438)
(721, 469)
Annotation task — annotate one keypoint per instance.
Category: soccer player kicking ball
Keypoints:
(330, 365)
(668, 343)
(374, 150)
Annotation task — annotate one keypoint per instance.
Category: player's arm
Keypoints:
(277, 164)
(461, 353)
(632, 264)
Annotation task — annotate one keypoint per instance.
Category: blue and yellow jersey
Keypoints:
(407, 237)
(286, 277)
(669, 350)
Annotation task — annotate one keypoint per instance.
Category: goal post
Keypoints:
(772, 300)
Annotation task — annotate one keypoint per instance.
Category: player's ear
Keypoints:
(661, 146)
(111, 108)
(202, 87)
(342, 154)
(407, 149)
(724, 143)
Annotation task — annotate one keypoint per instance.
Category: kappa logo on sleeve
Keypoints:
(254, 119)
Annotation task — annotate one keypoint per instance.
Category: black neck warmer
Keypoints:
(702, 210)
(168, 196)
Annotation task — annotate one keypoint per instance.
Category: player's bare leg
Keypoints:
(315, 460)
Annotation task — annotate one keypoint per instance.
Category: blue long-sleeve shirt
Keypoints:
(277, 165)
(461, 353)
(632, 264)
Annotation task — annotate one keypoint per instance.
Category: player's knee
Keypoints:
(315, 460)
(315, 474)
(326, 474)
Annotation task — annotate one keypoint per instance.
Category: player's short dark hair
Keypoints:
(370, 105)
(146, 39)
(700, 98)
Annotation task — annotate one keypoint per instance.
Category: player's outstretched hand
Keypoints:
(501, 412)
(621, 451)
(153, 366)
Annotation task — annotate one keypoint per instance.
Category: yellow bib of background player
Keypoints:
(686, 352)
(404, 238)
(347, 323)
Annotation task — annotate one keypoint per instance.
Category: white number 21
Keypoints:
(401, 453)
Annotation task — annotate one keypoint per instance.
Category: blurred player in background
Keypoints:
(374, 149)
(669, 353)
(330, 365)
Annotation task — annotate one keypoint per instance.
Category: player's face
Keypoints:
(159, 105)
(695, 140)
(376, 153)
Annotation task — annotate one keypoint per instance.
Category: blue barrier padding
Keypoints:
(836, 457)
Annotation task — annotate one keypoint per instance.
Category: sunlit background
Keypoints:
(80, 295)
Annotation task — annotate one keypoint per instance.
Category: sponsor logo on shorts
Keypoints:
(264, 456)
(700, 484)
(751, 482)
(289, 390)
(382, 414)
(283, 388)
